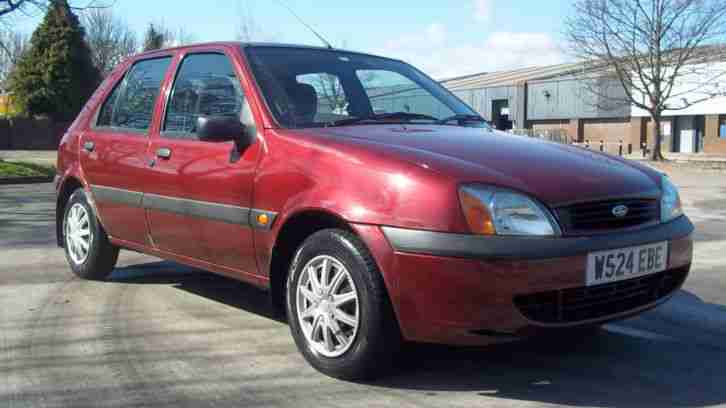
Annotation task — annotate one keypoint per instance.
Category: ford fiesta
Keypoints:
(374, 205)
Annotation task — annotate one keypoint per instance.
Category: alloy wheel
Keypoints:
(78, 233)
(327, 306)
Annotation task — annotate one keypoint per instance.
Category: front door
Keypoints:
(688, 137)
(204, 186)
(114, 151)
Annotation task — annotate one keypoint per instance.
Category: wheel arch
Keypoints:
(68, 186)
(293, 231)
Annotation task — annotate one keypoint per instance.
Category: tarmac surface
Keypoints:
(160, 335)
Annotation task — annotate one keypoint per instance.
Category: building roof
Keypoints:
(509, 78)
(705, 53)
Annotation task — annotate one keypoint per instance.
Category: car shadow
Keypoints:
(201, 283)
(666, 357)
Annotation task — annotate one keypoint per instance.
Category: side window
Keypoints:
(391, 92)
(131, 104)
(332, 103)
(205, 85)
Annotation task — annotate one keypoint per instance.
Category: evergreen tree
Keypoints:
(154, 38)
(55, 76)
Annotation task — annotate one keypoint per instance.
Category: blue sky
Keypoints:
(445, 38)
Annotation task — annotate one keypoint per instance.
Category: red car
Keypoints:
(374, 205)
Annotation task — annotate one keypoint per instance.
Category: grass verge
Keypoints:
(23, 169)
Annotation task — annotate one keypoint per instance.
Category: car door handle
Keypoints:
(163, 153)
(89, 146)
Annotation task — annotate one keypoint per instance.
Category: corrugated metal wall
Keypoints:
(409, 101)
(570, 98)
(481, 101)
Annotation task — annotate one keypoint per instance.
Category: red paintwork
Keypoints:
(444, 298)
(367, 176)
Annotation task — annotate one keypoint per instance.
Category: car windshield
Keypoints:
(314, 88)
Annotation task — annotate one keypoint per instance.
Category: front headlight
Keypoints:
(496, 211)
(670, 201)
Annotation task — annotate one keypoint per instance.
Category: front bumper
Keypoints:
(461, 289)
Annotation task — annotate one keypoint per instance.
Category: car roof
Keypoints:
(250, 45)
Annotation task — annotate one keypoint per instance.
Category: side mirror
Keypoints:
(223, 129)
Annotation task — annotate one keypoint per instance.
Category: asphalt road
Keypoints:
(159, 334)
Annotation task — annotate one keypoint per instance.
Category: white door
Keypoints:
(688, 138)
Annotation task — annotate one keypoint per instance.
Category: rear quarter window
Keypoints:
(130, 105)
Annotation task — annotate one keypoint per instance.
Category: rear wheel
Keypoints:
(87, 248)
(338, 308)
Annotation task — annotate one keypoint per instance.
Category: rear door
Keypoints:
(203, 186)
(114, 151)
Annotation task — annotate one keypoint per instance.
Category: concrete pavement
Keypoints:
(159, 334)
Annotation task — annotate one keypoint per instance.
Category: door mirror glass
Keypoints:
(222, 129)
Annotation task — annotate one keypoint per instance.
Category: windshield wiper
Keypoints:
(461, 119)
(382, 117)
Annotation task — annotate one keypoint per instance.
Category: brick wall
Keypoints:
(31, 134)
(570, 127)
(642, 130)
(550, 125)
(610, 131)
(712, 143)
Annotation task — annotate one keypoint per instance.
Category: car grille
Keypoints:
(594, 302)
(598, 216)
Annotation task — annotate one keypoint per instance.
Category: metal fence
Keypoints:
(553, 135)
(618, 148)
(560, 136)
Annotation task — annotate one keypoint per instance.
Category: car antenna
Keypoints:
(320, 37)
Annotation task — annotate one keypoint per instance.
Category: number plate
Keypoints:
(626, 263)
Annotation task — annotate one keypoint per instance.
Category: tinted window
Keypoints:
(131, 104)
(205, 85)
(310, 87)
(391, 92)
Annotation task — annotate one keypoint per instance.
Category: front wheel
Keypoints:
(88, 250)
(338, 308)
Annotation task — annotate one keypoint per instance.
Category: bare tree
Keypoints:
(11, 6)
(153, 38)
(653, 48)
(247, 30)
(8, 7)
(12, 46)
(178, 37)
(109, 38)
(330, 90)
(158, 36)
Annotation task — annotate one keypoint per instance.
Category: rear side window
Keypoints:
(205, 85)
(131, 104)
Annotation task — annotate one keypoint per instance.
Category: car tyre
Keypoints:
(363, 352)
(88, 251)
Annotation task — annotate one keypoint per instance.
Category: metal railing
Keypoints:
(560, 136)
(618, 148)
(553, 135)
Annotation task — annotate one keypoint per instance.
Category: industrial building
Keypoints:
(557, 100)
